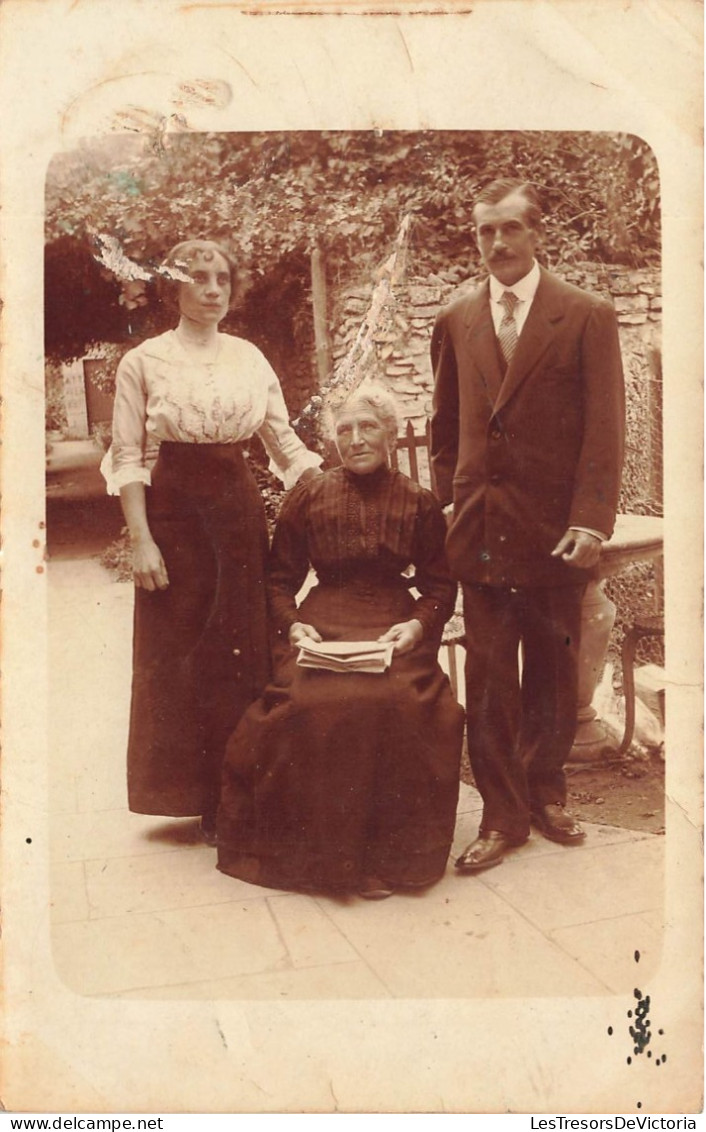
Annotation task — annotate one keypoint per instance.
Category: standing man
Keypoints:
(527, 441)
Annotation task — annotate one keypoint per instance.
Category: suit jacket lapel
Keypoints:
(537, 333)
(482, 343)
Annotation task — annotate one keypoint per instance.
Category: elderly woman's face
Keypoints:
(361, 439)
(205, 299)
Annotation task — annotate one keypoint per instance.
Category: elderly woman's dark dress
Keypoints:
(331, 778)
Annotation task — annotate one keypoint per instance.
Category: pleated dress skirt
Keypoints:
(333, 778)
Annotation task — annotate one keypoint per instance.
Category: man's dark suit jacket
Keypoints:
(527, 454)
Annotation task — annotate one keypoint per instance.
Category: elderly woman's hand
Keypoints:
(406, 635)
(299, 632)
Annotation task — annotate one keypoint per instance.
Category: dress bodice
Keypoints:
(370, 529)
(164, 394)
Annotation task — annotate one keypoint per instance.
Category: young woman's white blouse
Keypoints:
(162, 393)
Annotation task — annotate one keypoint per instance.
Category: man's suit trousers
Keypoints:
(521, 710)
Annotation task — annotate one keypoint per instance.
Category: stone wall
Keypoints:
(404, 363)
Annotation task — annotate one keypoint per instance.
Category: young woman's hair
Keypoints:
(180, 255)
(174, 269)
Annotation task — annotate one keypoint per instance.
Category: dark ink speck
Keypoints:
(610, 1029)
(637, 956)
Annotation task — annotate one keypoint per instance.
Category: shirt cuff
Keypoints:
(590, 531)
(128, 473)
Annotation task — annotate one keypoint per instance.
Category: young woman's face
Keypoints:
(205, 299)
(361, 439)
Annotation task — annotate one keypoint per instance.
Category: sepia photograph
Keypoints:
(201, 292)
(352, 675)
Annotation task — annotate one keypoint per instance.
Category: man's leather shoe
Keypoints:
(558, 824)
(487, 850)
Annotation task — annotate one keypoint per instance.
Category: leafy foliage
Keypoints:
(82, 300)
(273, 197)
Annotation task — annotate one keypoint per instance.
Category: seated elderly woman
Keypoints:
(348, 781)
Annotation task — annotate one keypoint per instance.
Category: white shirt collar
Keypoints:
(525, 288)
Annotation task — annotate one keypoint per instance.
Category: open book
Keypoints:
(346, 656)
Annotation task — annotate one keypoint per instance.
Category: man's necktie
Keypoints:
(507, 331)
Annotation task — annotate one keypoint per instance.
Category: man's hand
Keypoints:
(406, 635)
(299, 632)
(148, 567)
(578, 548)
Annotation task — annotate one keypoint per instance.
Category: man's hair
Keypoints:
(497, 190)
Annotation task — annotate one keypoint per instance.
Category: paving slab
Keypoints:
(155, 882)
(582, 885)
(140, 911)
(459, 940)
(333, 981)
(69, 898)
(311, 937)
(135, 951)
(608, 949)
(103, 834)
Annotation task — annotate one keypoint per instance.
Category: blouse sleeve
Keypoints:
(432, 579)
(289, 457)
(131, 454)
(288, 563)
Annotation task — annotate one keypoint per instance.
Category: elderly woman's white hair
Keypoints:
(377, 399)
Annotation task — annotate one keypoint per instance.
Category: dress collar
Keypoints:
(369, 481)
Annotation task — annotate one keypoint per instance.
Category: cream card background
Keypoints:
(67, 69)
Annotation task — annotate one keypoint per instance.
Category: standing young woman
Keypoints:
(185, 402)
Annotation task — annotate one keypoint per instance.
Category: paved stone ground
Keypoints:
(139, 910)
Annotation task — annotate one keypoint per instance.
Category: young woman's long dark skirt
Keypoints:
(200, 653)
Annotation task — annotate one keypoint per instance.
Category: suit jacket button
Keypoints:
(495, 434)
